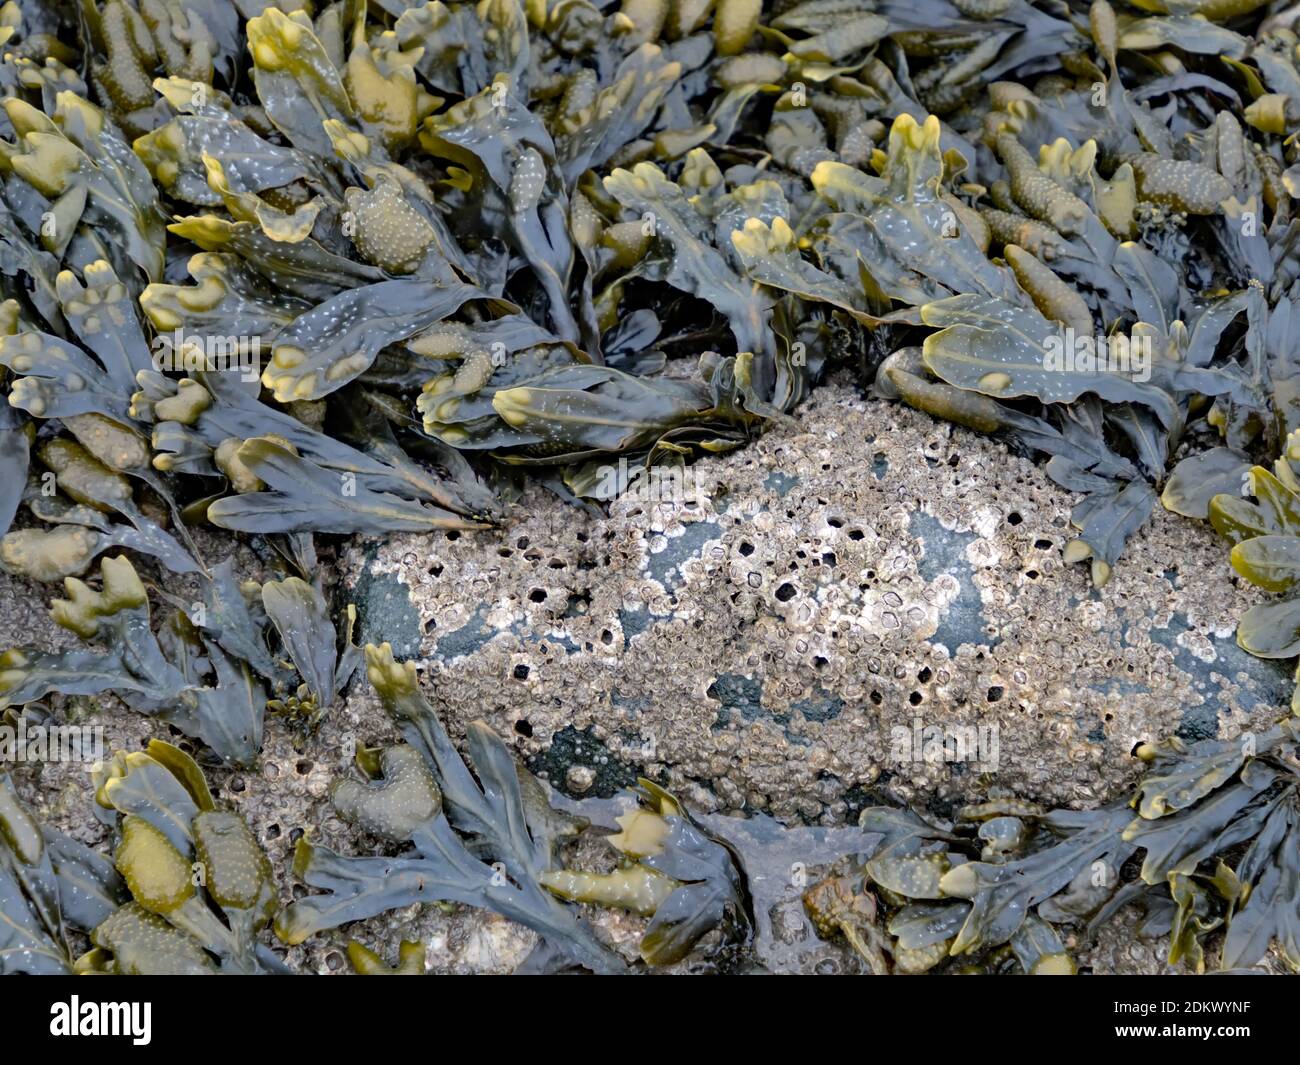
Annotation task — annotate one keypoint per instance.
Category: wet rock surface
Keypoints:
(773, 644)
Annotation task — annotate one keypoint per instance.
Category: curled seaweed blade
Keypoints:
(907, 227)
(296, 80)
(174, 151)
(1178, 778)
(1003, 350)
(712, 894)
(32, 935)
(325, 348)
(1001, 895)
(688, 263)
(226, 714)
(496, 137)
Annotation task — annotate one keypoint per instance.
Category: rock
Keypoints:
(821, 615)
(486, 943)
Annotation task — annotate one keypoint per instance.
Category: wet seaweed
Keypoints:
(999, 887)
(210, 669)
(451, 215)
(485, 841)
(185, 889)
(411, 253)
(199, 887)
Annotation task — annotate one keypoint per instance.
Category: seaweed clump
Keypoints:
(186, 889)
(1206, 847)
(407, 255)
(208, 669)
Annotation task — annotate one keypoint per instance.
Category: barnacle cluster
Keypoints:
(344, 268)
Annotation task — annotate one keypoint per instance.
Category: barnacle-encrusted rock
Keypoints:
(791, 686)
(833, 615)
